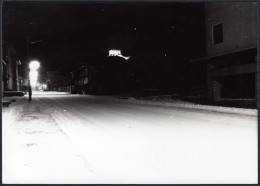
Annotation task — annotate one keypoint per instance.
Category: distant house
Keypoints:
(106, 76)
(80, 79)
(231, 53)
(57, 81)
(10, 77)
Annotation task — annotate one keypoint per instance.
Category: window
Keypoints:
(217, 33)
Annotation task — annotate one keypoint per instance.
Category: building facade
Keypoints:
(57, 81)
(109, 75)
(10, 77)
(80, 80)
(231, 53)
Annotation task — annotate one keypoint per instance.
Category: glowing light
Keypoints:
(34, 65)
(44, 86)
(33, 77)
(117, 53)
(114, 52)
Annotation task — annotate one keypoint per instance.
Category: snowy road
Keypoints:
(61, 138)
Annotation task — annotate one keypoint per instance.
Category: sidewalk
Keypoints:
(11, 96)
(36, 149)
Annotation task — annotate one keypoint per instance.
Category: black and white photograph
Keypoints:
(129, 92)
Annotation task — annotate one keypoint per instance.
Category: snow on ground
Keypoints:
(166, 100)
(62, 138)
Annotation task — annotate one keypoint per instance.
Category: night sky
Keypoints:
(159, 37)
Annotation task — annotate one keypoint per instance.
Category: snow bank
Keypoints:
(48, 93)
(168, 102)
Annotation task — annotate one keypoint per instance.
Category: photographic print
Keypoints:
(129, 92)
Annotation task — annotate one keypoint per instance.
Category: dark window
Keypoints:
(218, 33)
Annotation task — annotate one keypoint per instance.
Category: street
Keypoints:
(64, 138)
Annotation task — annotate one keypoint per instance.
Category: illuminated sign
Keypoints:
(117, 53)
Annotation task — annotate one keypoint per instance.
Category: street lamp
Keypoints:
(33, 65)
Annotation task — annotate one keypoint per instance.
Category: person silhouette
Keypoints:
(30, 91)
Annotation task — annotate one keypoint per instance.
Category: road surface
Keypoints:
(62, 138)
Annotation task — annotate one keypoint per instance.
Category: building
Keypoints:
(231, 53)
(57, 81)
(80, 79)
(10, 77)
(108, 75)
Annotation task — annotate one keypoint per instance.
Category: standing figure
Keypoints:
(30, 91)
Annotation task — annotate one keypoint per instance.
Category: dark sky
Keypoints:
(77, 33)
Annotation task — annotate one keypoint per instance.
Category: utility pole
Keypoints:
(28, 48)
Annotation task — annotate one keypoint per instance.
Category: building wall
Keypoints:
(8, 53)
(239, 26)
(231, 63)
(55, 79)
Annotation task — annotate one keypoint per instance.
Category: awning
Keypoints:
(222, 55)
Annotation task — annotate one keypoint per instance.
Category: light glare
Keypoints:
(33, 77)
(34, 65)
(44, 86)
